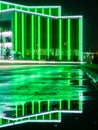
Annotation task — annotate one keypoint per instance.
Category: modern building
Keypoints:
(40, 33)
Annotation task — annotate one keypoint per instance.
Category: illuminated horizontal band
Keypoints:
(39, 14)
(39, 114)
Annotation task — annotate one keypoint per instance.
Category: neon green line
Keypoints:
(80, 40)
(68, 104)
(32, 36)
(0, 6)
(39, 109)
(8, 6)
(36, 10)
(59, 11)
(60, 105)
(16, 110)
(23, 31)
(23, 110)
(60, 39)
(15, 37)
(48, 36)
(39, 37)
(49, 110)
(43, 10)
(80, 101)
(48, 107)
(50, 11)
(0, 121)
(32, 107)
(69, 39)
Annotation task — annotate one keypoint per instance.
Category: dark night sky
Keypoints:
(86, 8)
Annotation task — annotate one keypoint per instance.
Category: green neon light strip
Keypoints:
(59, 12)
(69, 39)
(23, 31)
(16, 32)
(44, 15)
(39, 37)
(32, 37)
(80, 93)
(39, 114)
(0, 121)
(68, 104)
(60, 105)
(32, 107)
(49, 109)
(8, 6)
(0, 6)
(80, 101)
(23, 110)
(36, 10)
(16, 111)
(48, 37)
(80, 40)
(60, 39)
(43, 10)
(39, 107)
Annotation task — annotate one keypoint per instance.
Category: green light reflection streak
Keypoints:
(80, 39)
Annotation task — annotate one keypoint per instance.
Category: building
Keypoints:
(40, 32)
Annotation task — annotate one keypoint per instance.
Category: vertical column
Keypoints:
(59, 11)
(80, 39)
(48, 37)
(48, 34)
(68, 104)
(0, 121)
(23, 109)
(80, 101)
(32, 36)
(0, 6)
(43, 10)
(23, 31)
(39, 106)
(80, 93)
(8, 6)
(69, 40)
(49, 109)
(60, 108)
(32, 107)
(60, 39)
(16, 32)
(39, 37)
(16, 113)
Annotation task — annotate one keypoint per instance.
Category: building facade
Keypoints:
(40, 32)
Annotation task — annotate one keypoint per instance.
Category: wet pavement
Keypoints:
(47, 97)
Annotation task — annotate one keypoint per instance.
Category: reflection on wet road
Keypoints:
(42, 93)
